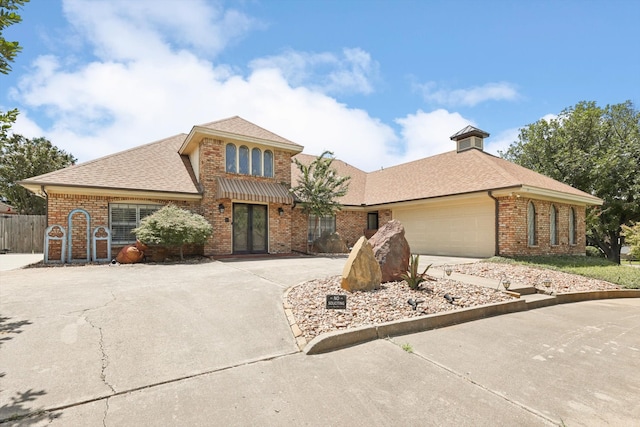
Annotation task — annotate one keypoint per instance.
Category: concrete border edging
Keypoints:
(340, 339)
(592, 295)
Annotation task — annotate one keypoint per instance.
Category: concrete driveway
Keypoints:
(208, 344)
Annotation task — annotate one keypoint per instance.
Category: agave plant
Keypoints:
(412, 277)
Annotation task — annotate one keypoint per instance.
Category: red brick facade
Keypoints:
(513, 228)
(287, 225)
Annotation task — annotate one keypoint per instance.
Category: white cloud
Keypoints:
(325, 72)
(502, 91)
(501, 141)
(430, 133)
(150, 89)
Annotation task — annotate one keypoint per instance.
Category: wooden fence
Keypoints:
(22, 233)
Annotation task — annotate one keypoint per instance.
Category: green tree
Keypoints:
(8, 17)
(22, 158)
(173, 227)
(319, 187)
(632, 238)
(596, 150)
(8, 52)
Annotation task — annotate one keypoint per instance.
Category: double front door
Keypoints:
(250, 228)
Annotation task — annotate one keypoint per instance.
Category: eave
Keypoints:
(41, 189)
(191, 142)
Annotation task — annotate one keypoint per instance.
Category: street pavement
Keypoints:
(209, 344)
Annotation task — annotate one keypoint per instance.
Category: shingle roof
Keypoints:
(441, 175)
(357, 183)
(152, 167)
(239, 126)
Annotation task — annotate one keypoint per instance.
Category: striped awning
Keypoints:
(254, 191)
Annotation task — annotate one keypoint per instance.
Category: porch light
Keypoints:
(221, 208)
(280, 211)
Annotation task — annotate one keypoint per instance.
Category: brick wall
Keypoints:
(212, 166)
(59, 207)
(513, 230)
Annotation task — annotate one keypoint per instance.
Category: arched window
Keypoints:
(268, 164)
(231, 158)
(532, 237)
(553, 225)
(256, 162)
(572, 226)
(243, 160)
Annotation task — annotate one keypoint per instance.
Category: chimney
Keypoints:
(468, 138)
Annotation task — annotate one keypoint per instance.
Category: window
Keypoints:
(125, 217)
(243, 160)
(231, 158)
(372, 221)
(268, 164)
(572, 226)
(323, 225)
(553, 225)
(249, 161)
(256, 162)
(532, 238)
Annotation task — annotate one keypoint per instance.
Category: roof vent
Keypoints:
(469, 137)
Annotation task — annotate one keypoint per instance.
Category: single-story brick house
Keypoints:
(237, 175)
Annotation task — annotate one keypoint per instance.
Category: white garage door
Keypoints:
(455, 229)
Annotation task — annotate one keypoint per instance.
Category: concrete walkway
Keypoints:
(208, 344)
(16, 261)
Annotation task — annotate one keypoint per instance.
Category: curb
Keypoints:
(336, 340)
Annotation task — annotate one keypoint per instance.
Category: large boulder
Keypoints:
(330, 243)
(362, 271)
(392, 251)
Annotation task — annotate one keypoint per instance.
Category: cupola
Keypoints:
(468, 138)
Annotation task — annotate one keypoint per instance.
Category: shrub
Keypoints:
(173, 227)
(412, 277)
(632, 238)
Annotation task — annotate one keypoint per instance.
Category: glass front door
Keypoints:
(249, 228)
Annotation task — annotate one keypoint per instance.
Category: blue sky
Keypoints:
(376, 82)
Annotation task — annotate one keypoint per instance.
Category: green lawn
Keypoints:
(598, 268)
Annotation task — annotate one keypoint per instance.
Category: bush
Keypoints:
(632, 238)
(173, 227)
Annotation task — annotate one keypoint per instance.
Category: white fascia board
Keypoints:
(235, 137)
(543, 193)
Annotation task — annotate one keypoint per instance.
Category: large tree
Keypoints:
(319, 187)
(8, 52)
(22, 158)
(597, 150)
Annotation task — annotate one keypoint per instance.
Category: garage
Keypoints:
(454, 228)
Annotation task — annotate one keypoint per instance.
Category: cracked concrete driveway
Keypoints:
(208, 344)
(74, 334)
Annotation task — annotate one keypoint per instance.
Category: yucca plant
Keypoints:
(412, 277)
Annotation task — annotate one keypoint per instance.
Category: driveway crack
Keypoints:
(104, 359)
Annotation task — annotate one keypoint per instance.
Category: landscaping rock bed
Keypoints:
(389, 303)
(308, 301)
(533, 276)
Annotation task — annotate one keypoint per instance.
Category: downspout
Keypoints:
(497, 224)
(46, 205)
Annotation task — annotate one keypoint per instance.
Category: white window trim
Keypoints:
(137, 207)
(263, 150)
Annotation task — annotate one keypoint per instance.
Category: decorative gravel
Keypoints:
(308, 301)
(533, 276)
